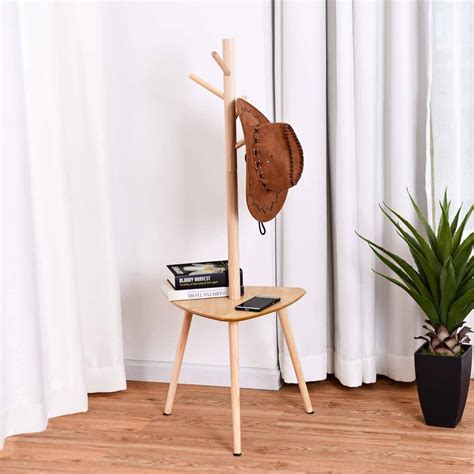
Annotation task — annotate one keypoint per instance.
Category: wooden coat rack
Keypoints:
(223, 309)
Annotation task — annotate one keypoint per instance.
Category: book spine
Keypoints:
(178, 295)
(214, 280)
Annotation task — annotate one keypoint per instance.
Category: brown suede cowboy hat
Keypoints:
(274, 161)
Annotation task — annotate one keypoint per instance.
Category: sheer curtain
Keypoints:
(355, 85)
(452, 103)
(60, 327)
(452, 107)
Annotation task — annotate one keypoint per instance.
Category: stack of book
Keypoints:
(191, 281)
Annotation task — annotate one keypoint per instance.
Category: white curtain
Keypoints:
(60, 327)
(452, 108)
(452, 103)
(355, 85)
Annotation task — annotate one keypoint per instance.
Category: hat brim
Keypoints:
(263, 204)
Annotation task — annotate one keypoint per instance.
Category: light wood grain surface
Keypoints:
(234, 385)
(178, 360)
(223, 309)
(291, 344)
(230, 153)
(375, 428)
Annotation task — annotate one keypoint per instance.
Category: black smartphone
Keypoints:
(257, 303)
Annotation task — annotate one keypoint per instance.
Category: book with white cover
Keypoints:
(198, 293)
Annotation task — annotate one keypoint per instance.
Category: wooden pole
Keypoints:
(206, 85)
(239, 144)
(234, 385)
(178, 360)
(290, 342)
(220, 63)
(231, 171)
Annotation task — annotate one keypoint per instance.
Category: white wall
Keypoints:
(166, 146)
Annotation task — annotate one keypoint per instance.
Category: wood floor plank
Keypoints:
(374, 428)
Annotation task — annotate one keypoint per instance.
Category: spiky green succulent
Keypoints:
(442, 281)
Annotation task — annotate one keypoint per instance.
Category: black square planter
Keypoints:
(443, 384)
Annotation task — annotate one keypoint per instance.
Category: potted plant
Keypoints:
(442, 284)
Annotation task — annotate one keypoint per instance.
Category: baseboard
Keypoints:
(199, 374)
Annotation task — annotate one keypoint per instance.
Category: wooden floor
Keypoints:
(375, 428)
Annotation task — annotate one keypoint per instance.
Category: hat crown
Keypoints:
(277, 156)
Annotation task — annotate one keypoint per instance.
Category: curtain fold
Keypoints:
(365, 142)
(60, 328)
(305, 247)
(452, 110)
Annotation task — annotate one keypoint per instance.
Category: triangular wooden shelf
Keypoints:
(223, 309)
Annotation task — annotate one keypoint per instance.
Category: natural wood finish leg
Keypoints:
(234, 384)
(290, 342)
(177, 362)
(231, 171)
